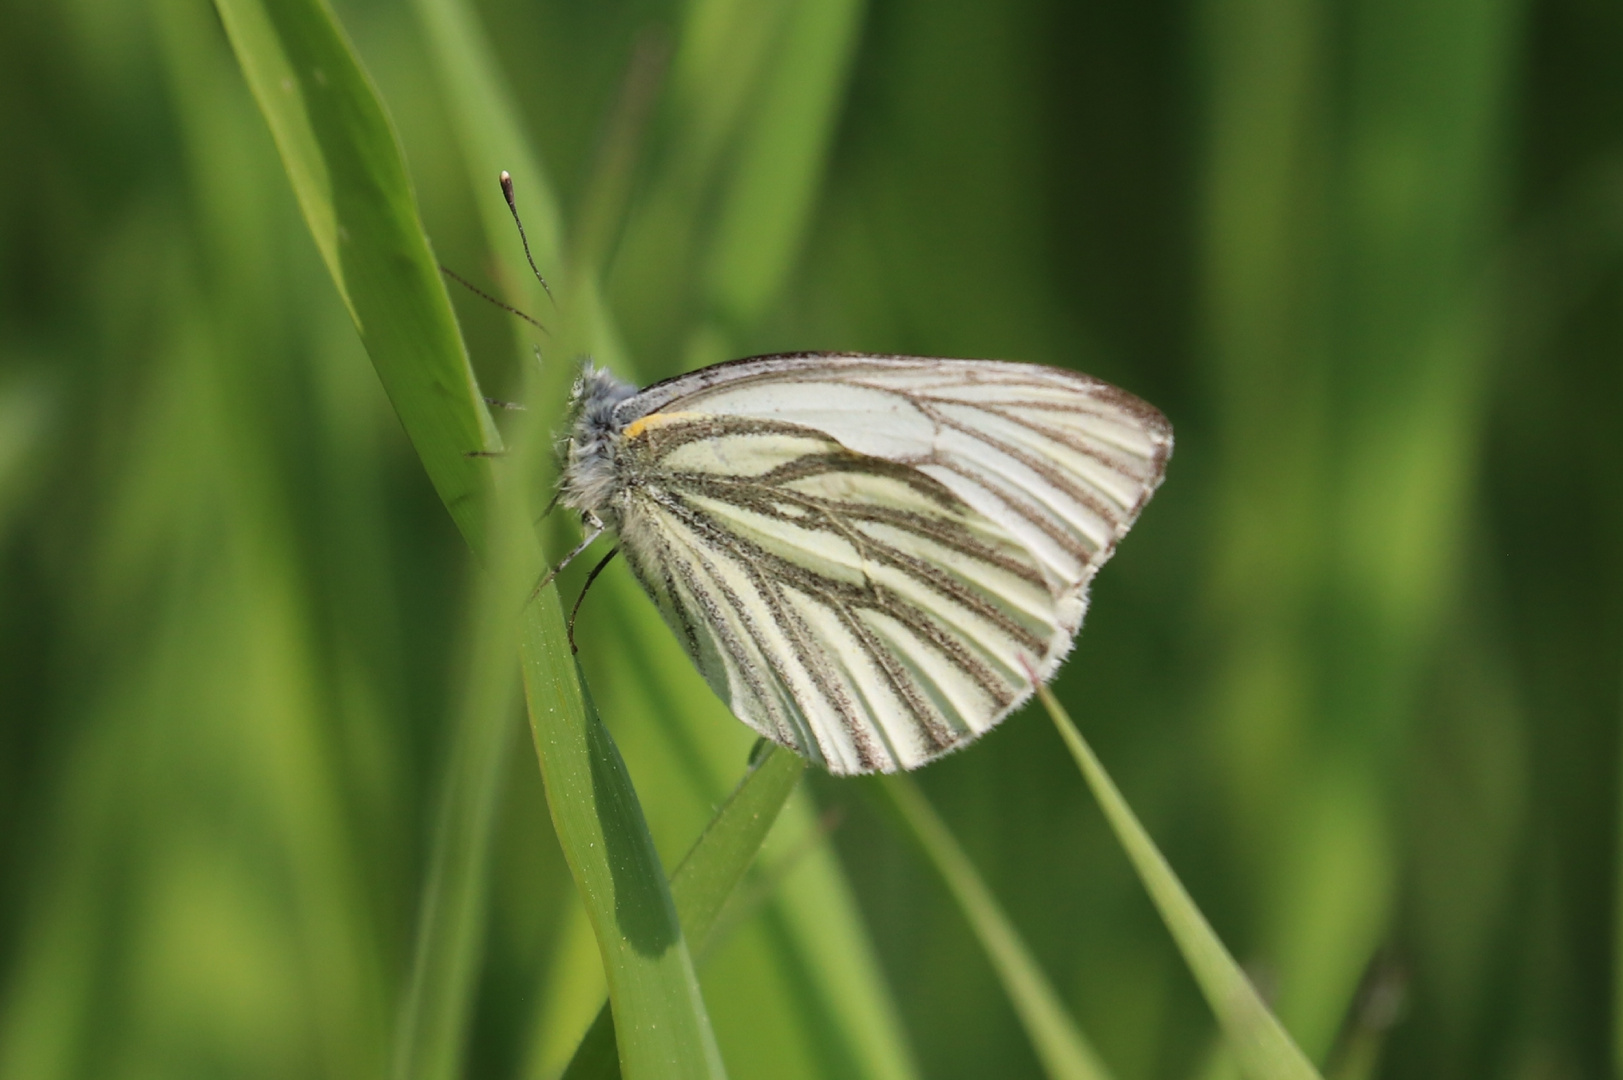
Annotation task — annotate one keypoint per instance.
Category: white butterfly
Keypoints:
(867, 557)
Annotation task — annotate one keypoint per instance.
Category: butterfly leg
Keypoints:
(596, 570)
(594, 529)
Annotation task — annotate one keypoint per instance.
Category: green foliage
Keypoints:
(379, 261)
(1262, 1048)
(265, 805)
(704, 881)
(1064, 1051)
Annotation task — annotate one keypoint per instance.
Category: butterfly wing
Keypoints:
(867, 556)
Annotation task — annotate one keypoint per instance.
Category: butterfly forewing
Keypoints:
(1061, 460)
(867, 556)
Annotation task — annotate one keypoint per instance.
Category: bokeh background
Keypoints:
(1357, 667)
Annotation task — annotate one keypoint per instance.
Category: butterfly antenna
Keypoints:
(507, 193)
(596, 570)
(509, 308)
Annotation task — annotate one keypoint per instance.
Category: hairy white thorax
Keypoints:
(591, 477)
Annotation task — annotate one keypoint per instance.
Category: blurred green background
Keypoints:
(1357, 667)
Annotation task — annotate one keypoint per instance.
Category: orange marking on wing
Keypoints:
(643, 423)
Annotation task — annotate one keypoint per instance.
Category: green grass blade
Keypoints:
(719, 858)
(349, 176)
(755, 92)
(348, 171)
(1261, 1046)
(451, 927)
(346, 168)
(25, 417)
(659, 1014)
(818, 920)
(492, 139)
(1064, 1051)
(704, 881)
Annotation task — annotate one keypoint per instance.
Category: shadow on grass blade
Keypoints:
(346, 166)
(705, 879)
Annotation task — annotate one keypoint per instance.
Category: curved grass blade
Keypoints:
(820, 940)
(660, 1020)
(347, 169)
(1064, 1051)
(1262, 1047)
(347, 172)
(755, 94)
(704, 880)
(711, 870)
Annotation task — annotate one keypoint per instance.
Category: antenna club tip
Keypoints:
(506, 178)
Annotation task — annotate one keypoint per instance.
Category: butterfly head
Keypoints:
(589, 480)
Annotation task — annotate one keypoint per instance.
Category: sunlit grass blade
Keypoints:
(346, 168)
(1064, 1051)
(705, 879)
(331, 126)
(339, 150)
(818, 923)
(1261, 1046)
(661, 1027)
